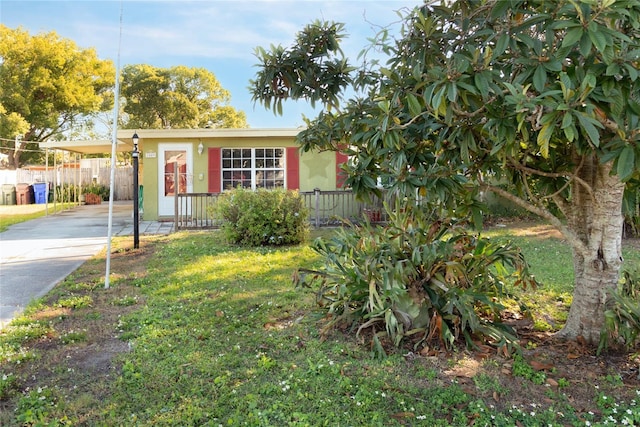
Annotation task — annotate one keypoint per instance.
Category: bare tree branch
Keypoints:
(571, 237)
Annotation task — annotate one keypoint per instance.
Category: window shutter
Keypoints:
(341, 159)
(293, 168)
(214, 169)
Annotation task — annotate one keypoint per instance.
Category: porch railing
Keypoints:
(326, 209)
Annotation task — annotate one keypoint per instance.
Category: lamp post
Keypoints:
(136, 209)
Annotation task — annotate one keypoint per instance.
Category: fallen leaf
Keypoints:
(552, 382)
(401, 415)
(539, 366)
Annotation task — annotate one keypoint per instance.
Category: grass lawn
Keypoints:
(14, 214)
(194, 331)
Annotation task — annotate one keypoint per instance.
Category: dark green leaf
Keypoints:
(414, 105)
(540, 78)
(626, 163)
(501, 44)
(597, 38)
(589, 124)
(572, 36)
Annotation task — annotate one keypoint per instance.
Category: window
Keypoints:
(253, 168)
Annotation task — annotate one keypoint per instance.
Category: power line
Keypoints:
(39, 150)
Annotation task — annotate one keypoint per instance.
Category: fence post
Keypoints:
(316, 192)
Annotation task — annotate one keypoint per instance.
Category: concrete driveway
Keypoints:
(37, 254)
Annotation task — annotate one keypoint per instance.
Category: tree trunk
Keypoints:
(596, 218)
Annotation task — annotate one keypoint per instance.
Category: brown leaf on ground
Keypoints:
(540, 366)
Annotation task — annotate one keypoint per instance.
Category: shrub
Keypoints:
(417, 277)
(263, 217)
(98, 190)
(66, 193)
(622, 315)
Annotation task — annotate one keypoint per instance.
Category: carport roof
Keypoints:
(100, 146)
(124, 142)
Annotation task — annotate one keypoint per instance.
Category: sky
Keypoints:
(218, 35)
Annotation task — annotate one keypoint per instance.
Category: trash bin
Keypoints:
(8, 194)
(24, 194)
(40, 192)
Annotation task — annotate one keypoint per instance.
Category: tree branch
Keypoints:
(571, 237)
(570, 176)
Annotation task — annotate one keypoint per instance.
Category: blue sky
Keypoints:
(217, 35)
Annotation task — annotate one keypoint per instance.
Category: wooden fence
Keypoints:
(84, 177)
(326, 208)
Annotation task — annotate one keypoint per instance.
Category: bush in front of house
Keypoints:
(263, 217)
(99, 190)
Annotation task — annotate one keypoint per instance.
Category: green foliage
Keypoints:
(418, 277)
(631, 208)
(263, 217)
(522, 369)
(8, 385)
(75, 302)
(73, 337)
(39, 100)
(622, 316)
(36, 408)
(179, 97)
(97, 189)
(316, 51)
(66, 193)
(540, 97)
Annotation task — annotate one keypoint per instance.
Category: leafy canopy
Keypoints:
(511, 89)
(178, 97)
(46, 84)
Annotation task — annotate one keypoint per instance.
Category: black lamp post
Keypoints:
(136, 209)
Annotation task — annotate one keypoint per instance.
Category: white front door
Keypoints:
(170, 157)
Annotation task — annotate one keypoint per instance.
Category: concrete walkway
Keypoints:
(37, 254)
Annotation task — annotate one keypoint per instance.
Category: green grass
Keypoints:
(551, 262)
(218, 336)
(10, 215)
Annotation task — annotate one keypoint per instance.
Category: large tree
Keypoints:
(46, 84)
(178, 97)
(535, 101)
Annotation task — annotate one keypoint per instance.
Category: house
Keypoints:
(213, 160)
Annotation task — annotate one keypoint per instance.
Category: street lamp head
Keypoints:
(135, 140)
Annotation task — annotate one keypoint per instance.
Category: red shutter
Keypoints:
(214, 170)
(341, 159)
(293, 168)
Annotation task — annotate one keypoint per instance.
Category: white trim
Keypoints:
(166, 203)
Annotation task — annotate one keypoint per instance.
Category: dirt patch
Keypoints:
(81, 351)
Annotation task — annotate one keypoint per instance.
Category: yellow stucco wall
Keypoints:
(317, 170)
